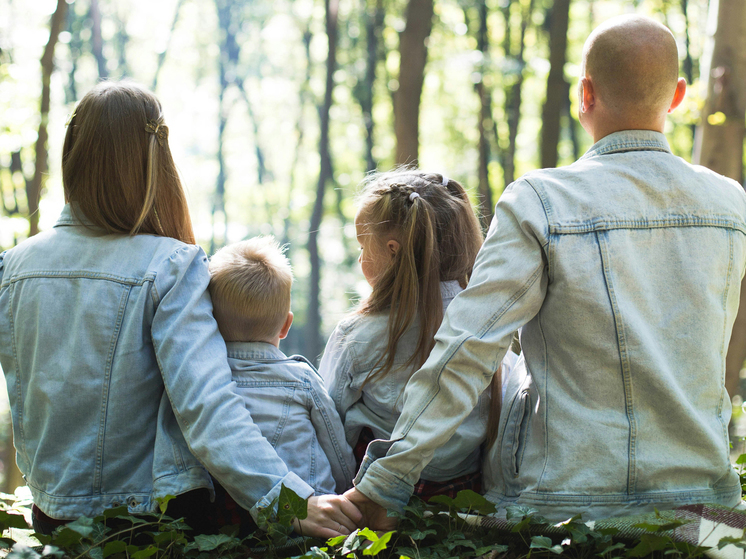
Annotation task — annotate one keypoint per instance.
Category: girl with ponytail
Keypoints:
(418, 238)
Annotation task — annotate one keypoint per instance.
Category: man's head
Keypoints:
(629, 76)
(250, 285)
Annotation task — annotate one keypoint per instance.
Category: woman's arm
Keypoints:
(216, 425)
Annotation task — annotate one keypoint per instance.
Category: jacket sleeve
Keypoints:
(193, 361)
(336, 370)
(505, 291)
(331, 434)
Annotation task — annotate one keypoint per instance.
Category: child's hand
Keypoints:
(329, 516)
(374, 515)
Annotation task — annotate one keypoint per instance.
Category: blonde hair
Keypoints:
(250, 284)
(439, 237)
(117, 168)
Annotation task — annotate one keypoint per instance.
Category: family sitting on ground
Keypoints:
(137, 369)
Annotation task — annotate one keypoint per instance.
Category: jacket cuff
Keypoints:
(291, 481)
(380, 485)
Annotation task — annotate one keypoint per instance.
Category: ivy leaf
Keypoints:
(613, 547)
(211, 542)
(542, 542)
(163, 502)
(737, 541)
(83, 526)
(648, 544)
(52, 551)
(379, 544)
(442, 500)
(741, 459)
(116, 546)
(118, 512)
(316, 553)
(514, 511)
(499, 548)
(333, 542)
(469, 500)
(421, 534)
(143, 553)
(8, 520)
(66, 538)
(291, 506)
(368, 534)
(21, 551)
(95, 553)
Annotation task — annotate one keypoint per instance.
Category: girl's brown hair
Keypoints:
(117, 168)
(439, 236)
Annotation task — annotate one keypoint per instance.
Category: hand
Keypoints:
(374, 515)
(329, 516)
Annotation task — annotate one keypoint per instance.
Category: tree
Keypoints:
(720, 135)
(326, 174)
(557, 87)
(35, 186)
(412, 59)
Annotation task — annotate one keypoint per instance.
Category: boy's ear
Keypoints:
(678, 95)
(286, 326)
(393, 246)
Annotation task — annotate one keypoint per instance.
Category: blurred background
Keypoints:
(277, 109)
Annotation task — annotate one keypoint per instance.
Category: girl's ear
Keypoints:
(393, 247)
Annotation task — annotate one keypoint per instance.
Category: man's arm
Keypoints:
(506, 290)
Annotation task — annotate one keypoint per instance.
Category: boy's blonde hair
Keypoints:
(250, 286)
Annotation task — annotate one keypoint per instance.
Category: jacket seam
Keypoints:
(624, 362)
(724, 345)
(19, 392)
(603, 224)
(80, 274)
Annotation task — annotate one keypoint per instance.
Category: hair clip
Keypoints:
(445, 180)
(413, 196)
(70, 119)
(160, 131)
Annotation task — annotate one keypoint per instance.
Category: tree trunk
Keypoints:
(162, 55)
(97, 41)
(557, 87)
(36, 184)
(413, 56)
(313, 321)
(484, 120)
(373, 19)
(720, 135)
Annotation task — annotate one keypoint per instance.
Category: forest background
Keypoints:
(278, 109)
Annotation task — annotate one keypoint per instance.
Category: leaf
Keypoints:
(143, 553)
(66, 538)
(468, 500)
(6, 543)
(52, 551)
(163, 502)
(95, 552)
(499, 548)
(8, 520)
(316, 553)
(118, 512)
(741, 459)
(542, 542)
(291, 506)
(352, 542)
(421, 534)
(368, 534)
(116, 546)
(609, 549)
(379, 545)
(442, 499)
(737, 541)
(210, 542)
(514, 511)
(21, 551)
(648, 544)
(333, 542)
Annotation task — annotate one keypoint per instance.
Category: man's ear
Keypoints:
(587, 95)
(393, 247)
(678, 95)
(286, 326)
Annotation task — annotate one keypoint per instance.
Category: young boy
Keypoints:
(250, 285)
(624, 271)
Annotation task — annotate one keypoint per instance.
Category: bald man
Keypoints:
(622, 271)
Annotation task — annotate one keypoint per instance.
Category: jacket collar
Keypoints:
(68, 217)
(628, 140)
(253, 350)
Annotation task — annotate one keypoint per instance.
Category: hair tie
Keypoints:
(160, 131)
(445, 180)
(413, 196)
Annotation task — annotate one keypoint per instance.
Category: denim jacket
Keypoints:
(353, 349)
(118, 378)
(289, 403)
(625, 268)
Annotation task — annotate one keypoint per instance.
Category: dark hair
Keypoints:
(117, 168)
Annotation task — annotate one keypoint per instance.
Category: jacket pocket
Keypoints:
(515, 433)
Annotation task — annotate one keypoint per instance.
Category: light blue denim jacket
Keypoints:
(289, 403)
(353, 349)
(118, 378)
(625, 268)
